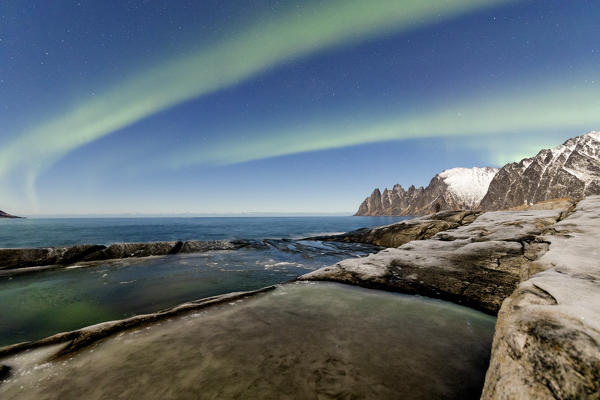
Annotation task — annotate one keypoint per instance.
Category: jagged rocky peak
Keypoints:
(569, 170)
(452, 189)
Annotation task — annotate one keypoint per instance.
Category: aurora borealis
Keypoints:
(278, 106)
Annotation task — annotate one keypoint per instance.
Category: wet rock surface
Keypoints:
(547, 340)
(399, 233)
(478, 264)
(75, 340)
(34, 257)
(298, 341)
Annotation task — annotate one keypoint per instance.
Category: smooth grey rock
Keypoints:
(478, 264)
(547, 339)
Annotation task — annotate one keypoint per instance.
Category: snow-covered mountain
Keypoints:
(569, 170)
(452, 189)
(468, 185)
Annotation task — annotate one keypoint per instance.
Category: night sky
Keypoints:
(223, 106)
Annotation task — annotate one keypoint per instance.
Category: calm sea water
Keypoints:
(39, 304)
(40, 232)
(43, 303)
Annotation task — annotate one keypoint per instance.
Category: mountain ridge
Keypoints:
(570, 170)
(451, 189)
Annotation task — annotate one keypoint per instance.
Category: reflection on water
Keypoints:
(301, 341)
(43, 303)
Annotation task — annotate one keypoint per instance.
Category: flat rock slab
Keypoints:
(547, 341)
(298, 341)
(478, 264)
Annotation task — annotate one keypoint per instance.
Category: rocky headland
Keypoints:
(6, 215)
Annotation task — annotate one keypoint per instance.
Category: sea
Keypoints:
(39, 304)
(43, 232)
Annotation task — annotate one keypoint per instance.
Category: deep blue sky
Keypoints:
(278, 106)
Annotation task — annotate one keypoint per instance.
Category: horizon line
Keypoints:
(191, 215)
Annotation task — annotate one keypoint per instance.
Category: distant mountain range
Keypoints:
(569, 170)
(5, 215)
(453, 189)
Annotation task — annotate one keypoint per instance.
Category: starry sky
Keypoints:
(257, 106)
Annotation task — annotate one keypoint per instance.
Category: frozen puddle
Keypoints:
(300, 341)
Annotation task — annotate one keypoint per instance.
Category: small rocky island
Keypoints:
(5, 215)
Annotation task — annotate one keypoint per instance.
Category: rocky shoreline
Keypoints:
(541, 266)
(23, 258)
(537, 269)
(477, 264)
(397, 234)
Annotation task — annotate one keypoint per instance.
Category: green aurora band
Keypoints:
(567, 106)
(267, 43)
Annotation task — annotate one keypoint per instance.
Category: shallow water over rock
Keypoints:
(39, 304)
(300, 341)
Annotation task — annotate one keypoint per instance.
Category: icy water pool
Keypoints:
(40, 304)
(300, 341)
